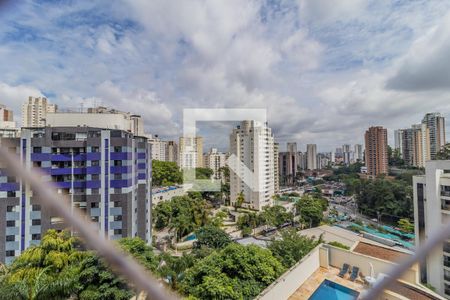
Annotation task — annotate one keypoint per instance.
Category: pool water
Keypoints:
(191, 237)
(329, 290)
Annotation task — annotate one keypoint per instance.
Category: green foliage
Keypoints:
(212, 237)
(389, 197)
(444, 154)
(339, 245)
(406, 225)
(239, 200)
(395, 157)
(173, 268)
(292, 247)
(311, 210)
(203, 173)
(165, 173)
(183, 214)
(235, 272)
(276, 215)
(217, 220)
(140, 251)
(249, 220)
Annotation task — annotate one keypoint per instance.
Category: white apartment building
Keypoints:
(99, 117)
(215, 160)
(436, 125)
(431, 211)
(190, 153)
(358, 153)
(311, 153)
(35, 110)
(159, 148)
(252, 144)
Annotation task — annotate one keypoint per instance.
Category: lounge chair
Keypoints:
(344, 270)
(355, 272)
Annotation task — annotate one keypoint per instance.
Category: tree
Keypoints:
(45, 271)
(212, 237)
(173, 268)
(140, 251)
(310, 210)
(276, 215)
(444, 153)
(235, 272)
(292, 247)
(239, 200)
(203, 173)
(165, 173)
(405, 225)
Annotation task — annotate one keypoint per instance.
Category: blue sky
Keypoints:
(325, 70)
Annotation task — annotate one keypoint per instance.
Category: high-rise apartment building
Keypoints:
(436, 125)
(358, 153)
(159, 148)
(8, 127)
(416, 145)
(398, 140)
(276, 169)
(348, 154)
(215, 160)
(252, 143)
(172, 151)
(190, 152)
(311, 153)
(35, 110)
(288, 164)
(105, 173)
(376, 151)
(99, 117)
(431, 211)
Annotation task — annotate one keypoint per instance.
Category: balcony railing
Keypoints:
(445, 193)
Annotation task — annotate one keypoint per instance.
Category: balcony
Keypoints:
(445, 193)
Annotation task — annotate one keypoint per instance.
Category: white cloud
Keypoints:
(14, 96)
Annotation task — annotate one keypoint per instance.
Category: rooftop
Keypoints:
(379, 252)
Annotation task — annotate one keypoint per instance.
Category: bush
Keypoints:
(339, 245)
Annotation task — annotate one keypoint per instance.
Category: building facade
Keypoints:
(215, 160)
(105, 173)
(252, 143)
(35, 110)
(431, 211)
(190, 153)
(276, 168)
(376, 151)
(358, 153)
(416, 145)
(288, 164)
(311, 153)
(8, 127)
(436, 125)
(398, 140)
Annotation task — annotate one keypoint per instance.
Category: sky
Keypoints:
(325, 70)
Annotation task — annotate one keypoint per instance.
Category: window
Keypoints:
(117, 231)
(10, 208)
(36, 207)
(117, 149)
(117, 176)
(95, 191)
(56, 220)
(95, 163)
(95, 204)
(94, 219)
(95, 149)
(118, 218)
(95, 177)
(10, 223)
(36, 222)
(10, 253)
(11, 194)
(117, 163)
(10, 238)
(37, 149)
(36, 237)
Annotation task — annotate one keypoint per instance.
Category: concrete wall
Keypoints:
(167, 195)
(292, 279)
(340, 256)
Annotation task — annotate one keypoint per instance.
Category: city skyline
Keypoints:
(351, 77)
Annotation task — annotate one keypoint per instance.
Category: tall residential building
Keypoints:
(172, 151)
(358, 153)
(190, 152)
(35, 110)
(431, 211)
(159, 148)
(8, 127)
(99, 117)
(347, 154)
(288, 164)
(252, 143)
(276, 169)
(398, 140)
(323, 160)
(436, 124)
(416, 145)
(311, 153)
(376, 151)
(105, 173)
(215, 160)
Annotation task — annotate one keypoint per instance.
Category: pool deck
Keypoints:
(312, 283)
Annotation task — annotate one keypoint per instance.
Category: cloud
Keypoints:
(325, 11)
(14, 96)
(426, 66)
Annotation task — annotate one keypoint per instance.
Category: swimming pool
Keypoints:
(329, 290)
